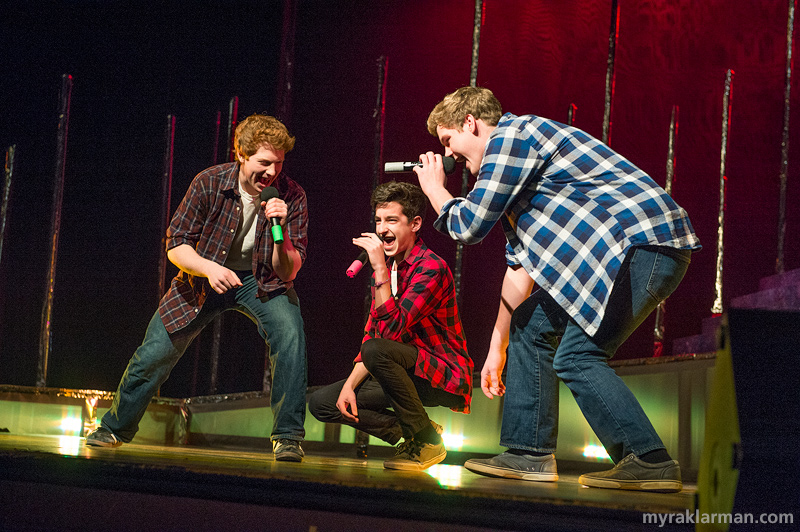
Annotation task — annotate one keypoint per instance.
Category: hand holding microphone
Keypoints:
(277, 231)
(363, 257)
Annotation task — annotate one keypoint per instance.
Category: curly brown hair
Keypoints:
(259, 130)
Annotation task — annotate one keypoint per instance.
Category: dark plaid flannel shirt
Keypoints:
(424, 314)
(207, 219)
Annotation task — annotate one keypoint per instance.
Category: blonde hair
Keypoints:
(454, 108)
(256, 131)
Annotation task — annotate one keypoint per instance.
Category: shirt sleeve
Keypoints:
(511, 161)
(186, 225)
(297, 222)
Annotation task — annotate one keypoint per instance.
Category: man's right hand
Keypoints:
(347, 399)
(491, 374)
(221, 278)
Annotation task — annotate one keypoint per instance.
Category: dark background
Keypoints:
(134, 63)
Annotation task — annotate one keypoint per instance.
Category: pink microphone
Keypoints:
(357, 264)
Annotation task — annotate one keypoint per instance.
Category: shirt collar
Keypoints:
(415, 254)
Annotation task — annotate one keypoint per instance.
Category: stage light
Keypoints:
(69, 445)
(71, 426)
(596, 451)
(453, 442)
(448, 476)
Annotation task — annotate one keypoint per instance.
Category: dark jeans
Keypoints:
(546, 345)
(392, 384)
(280, 324)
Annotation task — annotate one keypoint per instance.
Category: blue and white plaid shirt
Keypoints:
(570, 207)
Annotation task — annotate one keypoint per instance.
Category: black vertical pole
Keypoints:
(283, 107)
(787, 94)
(612, 50)
(379, 116)
(716, 308)
(477, 19)
(661, 309)
(571, 113)
(9, 172)
(46, 334)
(166, 201)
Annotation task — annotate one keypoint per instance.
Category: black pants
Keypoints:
(392, 384)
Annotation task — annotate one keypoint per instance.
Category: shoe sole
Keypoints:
(662, 486)
(408, 465)
(290, 458)
(503, 472)
(96, 443)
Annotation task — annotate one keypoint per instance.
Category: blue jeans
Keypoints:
(280, 324)
(546, 345)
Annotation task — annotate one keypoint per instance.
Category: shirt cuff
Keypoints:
(440, 224)
(384, 311)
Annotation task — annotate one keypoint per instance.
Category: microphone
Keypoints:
(359, 263)
(277, 232)
(448, 162)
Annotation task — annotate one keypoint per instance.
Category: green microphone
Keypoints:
(277, 232)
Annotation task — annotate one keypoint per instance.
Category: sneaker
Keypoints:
(102, 437)
(632, 473)
(523, 467)
(287, 450)
(412, 455)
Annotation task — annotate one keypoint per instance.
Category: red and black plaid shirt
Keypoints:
(424, 314)
(207, 219)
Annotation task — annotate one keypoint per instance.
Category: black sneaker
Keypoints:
(287, 450)
(631, 473)
(102, 437)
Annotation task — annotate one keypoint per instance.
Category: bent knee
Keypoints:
(373, 352)
(321, 407)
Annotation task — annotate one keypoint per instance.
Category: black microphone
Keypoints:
(359, 263)
(277, 232)
(448, 162)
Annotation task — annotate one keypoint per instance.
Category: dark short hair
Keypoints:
(410, 197)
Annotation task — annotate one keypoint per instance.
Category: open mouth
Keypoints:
(388, 240)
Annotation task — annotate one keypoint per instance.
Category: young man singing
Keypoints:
(220, 238)
(413, 353)
(603, 243)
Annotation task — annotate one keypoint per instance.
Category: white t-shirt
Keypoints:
(240, 256)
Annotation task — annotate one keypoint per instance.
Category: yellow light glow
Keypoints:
(453, 442)
(71, 426)
(595, 451)
(69, 445)
(448, 476)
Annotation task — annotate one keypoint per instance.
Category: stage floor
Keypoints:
(58, 483)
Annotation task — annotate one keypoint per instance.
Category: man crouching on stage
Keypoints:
(413, 353)
(220, 239)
